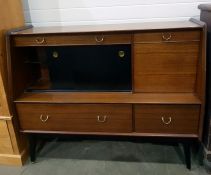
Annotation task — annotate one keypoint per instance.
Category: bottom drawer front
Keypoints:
(167, 119)
(75, 118)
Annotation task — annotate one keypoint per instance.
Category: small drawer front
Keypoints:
(75, 117)
(167, 36)
(167, 119)
(54, 40)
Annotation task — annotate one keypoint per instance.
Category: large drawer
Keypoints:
(75, 117)
(167, 119)
(69, 39)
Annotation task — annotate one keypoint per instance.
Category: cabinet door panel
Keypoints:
(165, 67)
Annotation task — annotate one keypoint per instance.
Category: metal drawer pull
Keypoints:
(166, 122)
(44, 119)
(40, 40)
(167, 36)
(99, 40)
(101, 119)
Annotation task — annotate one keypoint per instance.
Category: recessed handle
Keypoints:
(40, 40)
(166, 121)
(166, 36)
(44, 118)
(101, 119)
(99, 39)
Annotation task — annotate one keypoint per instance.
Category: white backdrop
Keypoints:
(73, 12)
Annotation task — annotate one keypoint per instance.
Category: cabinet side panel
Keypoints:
(5, 143)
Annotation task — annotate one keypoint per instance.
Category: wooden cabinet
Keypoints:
(163, 63)
(167, 74)
(166, 36)
(13, 147)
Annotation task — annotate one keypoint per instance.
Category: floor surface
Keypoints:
(91, 157)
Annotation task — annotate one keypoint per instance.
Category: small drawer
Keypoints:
(167, 36)
(54, 40)
(75, 117)
(167, 119)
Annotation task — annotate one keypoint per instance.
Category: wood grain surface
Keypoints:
(76, 118)
(182, 119)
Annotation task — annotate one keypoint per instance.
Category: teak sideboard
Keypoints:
(164, 96)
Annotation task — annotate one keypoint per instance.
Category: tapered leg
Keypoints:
(187, 152)
(32, 147)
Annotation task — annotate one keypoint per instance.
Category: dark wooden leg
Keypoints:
(32, 147)
(187, 152)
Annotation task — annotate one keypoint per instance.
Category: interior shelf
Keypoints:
(108, 97)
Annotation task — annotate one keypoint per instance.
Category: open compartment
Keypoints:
(80, 68)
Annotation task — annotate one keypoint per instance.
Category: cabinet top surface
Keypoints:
(109, 27)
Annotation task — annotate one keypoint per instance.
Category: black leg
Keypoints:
(187, 152)
(32, 147)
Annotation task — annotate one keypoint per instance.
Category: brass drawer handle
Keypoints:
(165, 121)
(40, 40)
(167, 36)
(101, 119)
(99, 40)
(44, 119)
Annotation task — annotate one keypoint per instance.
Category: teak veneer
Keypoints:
(167, 79)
